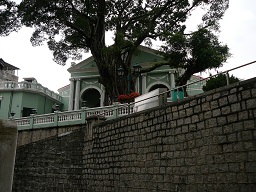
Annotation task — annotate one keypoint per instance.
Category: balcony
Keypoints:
(27, 86)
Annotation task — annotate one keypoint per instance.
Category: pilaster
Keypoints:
(77, 94)
(172, 80)
(71, 94)
(144, 83)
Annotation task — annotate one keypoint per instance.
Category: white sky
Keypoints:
(237, 31)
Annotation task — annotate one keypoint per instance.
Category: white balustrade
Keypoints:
(43, 119)
(28, 86)
(71, 116)
(23, 121)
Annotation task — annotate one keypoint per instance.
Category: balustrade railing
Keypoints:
(72, 117)
(11, 85)
(42, 119)
(69, 116)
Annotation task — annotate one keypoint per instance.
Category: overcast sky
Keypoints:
(238, 31)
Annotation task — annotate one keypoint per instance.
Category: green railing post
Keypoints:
(177, 94)
(174, 95)
(115, 111)
(181, 94)
(83, 118)
(56, 118)
(31, 121)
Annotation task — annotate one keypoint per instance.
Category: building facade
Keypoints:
(84, 85)
(21, 99)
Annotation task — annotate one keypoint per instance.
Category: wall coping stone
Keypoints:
(8, 144)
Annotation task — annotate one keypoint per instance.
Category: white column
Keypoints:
(102, 96)
(77, 94)
(172, 79)
(144, 83)
(137, 87)
(71, 95)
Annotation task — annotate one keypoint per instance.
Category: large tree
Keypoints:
(195, 53)
(8, 17)
(73, 26)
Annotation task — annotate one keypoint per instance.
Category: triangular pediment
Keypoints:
(144, 56)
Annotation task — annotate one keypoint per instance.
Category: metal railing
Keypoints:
(110, 112)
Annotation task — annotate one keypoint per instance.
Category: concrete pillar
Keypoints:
(144, 83)
(71, 95)
(77, 94)
(172, 79)
(8, 144)
(102, 96)
(137, 87)
(92, 122)
(227, 78)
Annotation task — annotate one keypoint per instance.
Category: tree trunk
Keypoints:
(107, 66)
(183, 79)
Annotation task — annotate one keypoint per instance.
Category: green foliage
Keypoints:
(195, 53)
(219, 81)
(9, 21)
(71, 27)
(79, 24)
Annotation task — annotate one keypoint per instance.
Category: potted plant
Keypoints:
(128, 98)
(123, 98)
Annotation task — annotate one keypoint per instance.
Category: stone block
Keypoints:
(250, 167)
(195, 118)
(223, 101)
(197, 109)
(208, 114)
(247, 135)
(232, 98)
(216, 96)
(214, 104)
(216, 112)
(225, 110)
(206, 106)
(235, 107)
(253, 91)
(243, 115)
(232, 118)
(251, 104)
(246, 94)
(234, 167)
(189, 111)
(211, 122)
(249, 124)
(182, 113)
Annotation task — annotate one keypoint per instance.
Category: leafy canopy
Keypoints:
(195, 53)
(219, 81)
(71, 27)
(8, 17)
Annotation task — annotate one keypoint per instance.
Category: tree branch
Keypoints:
(155, 65)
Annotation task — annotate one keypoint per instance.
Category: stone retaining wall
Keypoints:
(202, 143)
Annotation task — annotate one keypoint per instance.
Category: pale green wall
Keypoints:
(43, 104)
(10, 103)
(65, 101)
(4, 108)
(24, 99)
(144, 57)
